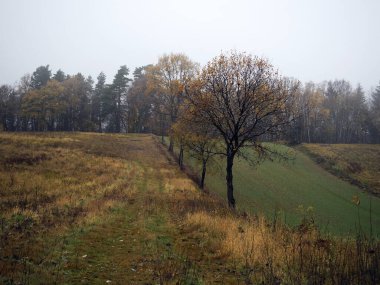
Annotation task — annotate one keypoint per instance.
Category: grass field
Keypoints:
(82, 208)
(292, 190)
(87, 208)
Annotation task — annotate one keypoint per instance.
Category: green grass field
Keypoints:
(290, 191)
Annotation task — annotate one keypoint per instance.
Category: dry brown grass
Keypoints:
(275, 254)
(357, 163)
(50, 183)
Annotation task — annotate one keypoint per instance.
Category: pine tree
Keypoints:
(119, 89)
(375, 115)
(96, 102)
(40, 77)
(59, 76)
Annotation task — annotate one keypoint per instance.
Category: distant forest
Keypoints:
(330, 112)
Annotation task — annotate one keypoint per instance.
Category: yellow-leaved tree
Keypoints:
(44, 105)
(198, 137)
(167, 79)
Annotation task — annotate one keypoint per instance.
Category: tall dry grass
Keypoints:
(275, 254)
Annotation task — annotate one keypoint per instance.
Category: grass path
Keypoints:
(143, 240)
(80, 208)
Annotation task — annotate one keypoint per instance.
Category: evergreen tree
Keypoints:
(96, 102)
(119, 97)
(40, 77)
(59, 76)
(375, 115)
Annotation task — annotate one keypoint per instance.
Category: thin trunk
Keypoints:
(117, 121)
(24, 124)
(308, 129)
(4, 121)
(230, 187)
(172, 121)
(171, 144)
(162, 129)
(202, 182)
(180, 157)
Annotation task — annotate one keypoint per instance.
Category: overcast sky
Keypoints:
(307, 39)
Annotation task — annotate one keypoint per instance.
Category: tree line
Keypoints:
(335, 112)
(332, 111)
(42, 102)
(235, 101)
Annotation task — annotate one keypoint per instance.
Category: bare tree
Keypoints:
(244, 98)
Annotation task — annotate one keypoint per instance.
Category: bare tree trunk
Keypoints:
(230, 187)
(4, 121)
(162, 129)
(171, 144)
(172, 121)
(202, 182)
(180, 157)
(308, 129)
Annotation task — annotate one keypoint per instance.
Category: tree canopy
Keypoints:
(244, 98)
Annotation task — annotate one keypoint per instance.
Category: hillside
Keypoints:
(87, 208)
(292, 190)
(101, 208)
(357, 163)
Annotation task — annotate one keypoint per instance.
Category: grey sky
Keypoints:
(306, 39)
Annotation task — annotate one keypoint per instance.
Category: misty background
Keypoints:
(308, 40)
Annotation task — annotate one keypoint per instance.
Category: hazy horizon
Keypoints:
(308, 40)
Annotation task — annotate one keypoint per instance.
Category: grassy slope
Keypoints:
(87, 208)
(80, 208)
(357, 163)
(293, 188)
